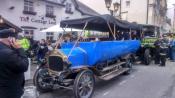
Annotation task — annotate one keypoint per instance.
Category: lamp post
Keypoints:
(108, 4)
(115, 9)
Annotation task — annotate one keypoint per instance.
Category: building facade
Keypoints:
(151, 12)
(173, 20)
(35, 15)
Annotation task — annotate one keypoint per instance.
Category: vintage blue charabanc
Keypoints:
(76, 64)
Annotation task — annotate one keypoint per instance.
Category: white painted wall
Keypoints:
(136, 11)
(98, 5)
(16, 14)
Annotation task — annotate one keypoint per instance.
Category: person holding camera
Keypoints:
(13, 64)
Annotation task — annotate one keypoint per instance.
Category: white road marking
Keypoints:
(105, 93)
(123, 82)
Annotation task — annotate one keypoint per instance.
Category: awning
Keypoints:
(57, 28)
(28, 27)
(98, 23)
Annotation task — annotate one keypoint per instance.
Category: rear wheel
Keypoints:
(84, 84)
(147, 57)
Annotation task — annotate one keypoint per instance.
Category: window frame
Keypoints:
(128, 3)
(29, 7)
(69, 8)
(49, 10)
(30, 33)
(49, 35)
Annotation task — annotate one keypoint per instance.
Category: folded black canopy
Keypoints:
(99, 23)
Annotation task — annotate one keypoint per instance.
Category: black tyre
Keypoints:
(147, 57)
(84, 84)
(42, 80)
(34, 77)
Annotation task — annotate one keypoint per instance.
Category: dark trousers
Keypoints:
(173, 53)
(40, 56)
(163, 60)
(170, 53)
(157, 56)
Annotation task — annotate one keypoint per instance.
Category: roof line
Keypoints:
(11, 24)
(82, 12)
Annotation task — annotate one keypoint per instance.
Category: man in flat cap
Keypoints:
(13, 64)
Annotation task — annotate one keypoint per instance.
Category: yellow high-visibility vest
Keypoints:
(25, 43)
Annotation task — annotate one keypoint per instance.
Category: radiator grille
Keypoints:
(55, 63)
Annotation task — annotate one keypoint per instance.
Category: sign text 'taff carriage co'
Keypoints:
(39, 20)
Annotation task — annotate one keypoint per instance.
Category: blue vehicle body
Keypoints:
(90, 53)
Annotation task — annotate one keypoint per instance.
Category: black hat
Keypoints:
(5, 33)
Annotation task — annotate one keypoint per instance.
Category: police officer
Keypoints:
(13, 64)
(157, 44)
(161, 51)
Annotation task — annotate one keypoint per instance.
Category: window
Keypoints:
(29, 7)
(29, 33)
(62, 1)
(49, 10)
(50, 36)
(128, 3)
(69, 8)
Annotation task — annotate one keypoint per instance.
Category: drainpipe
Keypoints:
(174, 20)
(147, 12)
(120, 9)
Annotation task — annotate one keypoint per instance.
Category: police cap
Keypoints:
(5, 33)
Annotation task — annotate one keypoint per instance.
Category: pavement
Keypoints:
(144, 81)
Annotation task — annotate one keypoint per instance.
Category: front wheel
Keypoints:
(43, 81)
(84, 84)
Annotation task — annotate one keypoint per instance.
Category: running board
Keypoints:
(113, 74)
(113, 66)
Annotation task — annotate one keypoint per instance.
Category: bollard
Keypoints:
(28, 73)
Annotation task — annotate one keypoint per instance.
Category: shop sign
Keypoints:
(35, 20)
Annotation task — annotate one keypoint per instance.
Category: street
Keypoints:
(143, 82)
(77, 45)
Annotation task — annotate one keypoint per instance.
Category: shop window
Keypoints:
(128, 3)
(50, 11)
(69, 8)
(50, 36)
(29, 33)
(29, 7)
